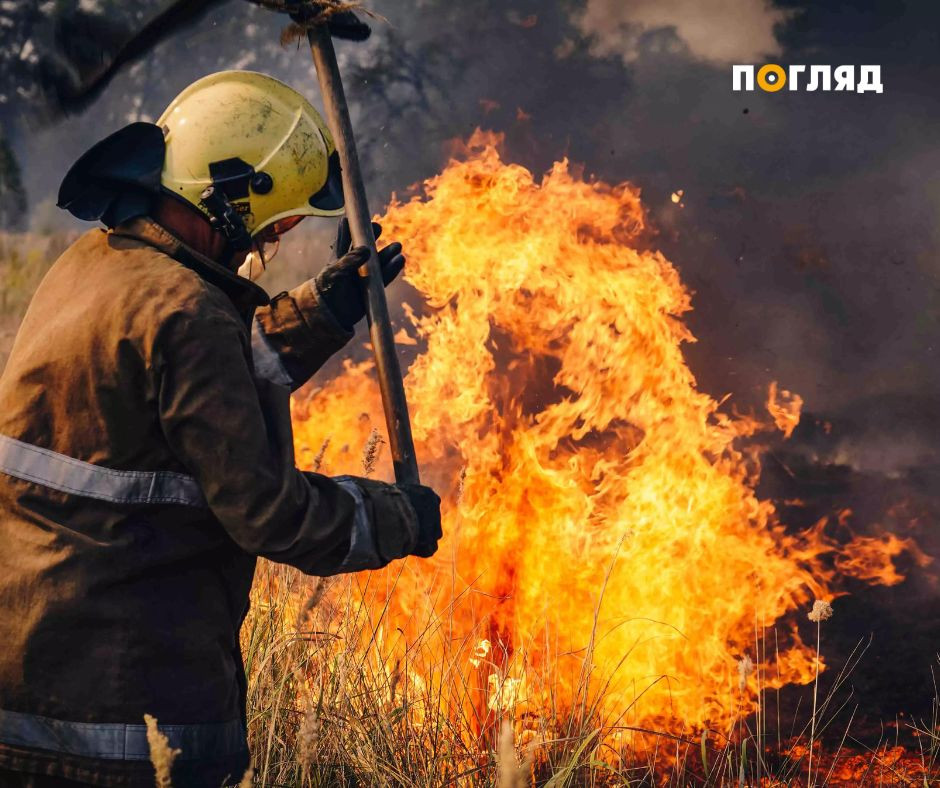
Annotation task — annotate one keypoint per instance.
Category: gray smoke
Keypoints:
(718, 31)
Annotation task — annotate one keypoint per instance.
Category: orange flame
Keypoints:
(600, 517)
(785, 407)
(869, 558)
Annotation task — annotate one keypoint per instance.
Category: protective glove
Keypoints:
(427, 506)
(339, 285)
(400, 520)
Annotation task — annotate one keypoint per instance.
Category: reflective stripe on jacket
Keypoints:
(145, 461)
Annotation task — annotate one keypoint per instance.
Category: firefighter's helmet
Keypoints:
(256, 140)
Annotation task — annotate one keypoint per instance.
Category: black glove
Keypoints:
(339, 284)
(427, 506)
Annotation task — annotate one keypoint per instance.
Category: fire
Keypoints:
(603, 537)
(785, 407)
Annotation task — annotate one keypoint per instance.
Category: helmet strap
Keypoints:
(225, 219)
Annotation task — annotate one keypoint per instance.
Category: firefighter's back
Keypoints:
(119, 593)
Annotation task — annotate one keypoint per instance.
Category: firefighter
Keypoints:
(145, 441)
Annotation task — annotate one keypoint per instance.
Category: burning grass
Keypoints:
(331, 704)
(611, 592)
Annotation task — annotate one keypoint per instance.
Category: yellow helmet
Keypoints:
(256, 140)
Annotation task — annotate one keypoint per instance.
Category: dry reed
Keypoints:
(162, 755)
(822, 611)
(371, 452)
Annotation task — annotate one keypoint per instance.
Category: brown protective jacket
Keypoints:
(144, 464)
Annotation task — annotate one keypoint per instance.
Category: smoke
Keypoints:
(720, 31)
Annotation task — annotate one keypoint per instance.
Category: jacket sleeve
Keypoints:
(294, 336)
(232, 432)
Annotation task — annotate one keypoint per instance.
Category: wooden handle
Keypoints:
(360, 226)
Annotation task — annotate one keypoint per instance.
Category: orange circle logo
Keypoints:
(771, 78)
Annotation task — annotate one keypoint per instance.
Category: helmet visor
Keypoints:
(330, 196)
(256, 261)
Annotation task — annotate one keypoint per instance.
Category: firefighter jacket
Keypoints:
(145, 462)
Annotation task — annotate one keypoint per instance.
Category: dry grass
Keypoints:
(331, 705)
(371, 451)
(162, 754)
(328, 704)
(24, 260)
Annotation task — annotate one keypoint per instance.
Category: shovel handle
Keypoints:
(360, 226)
